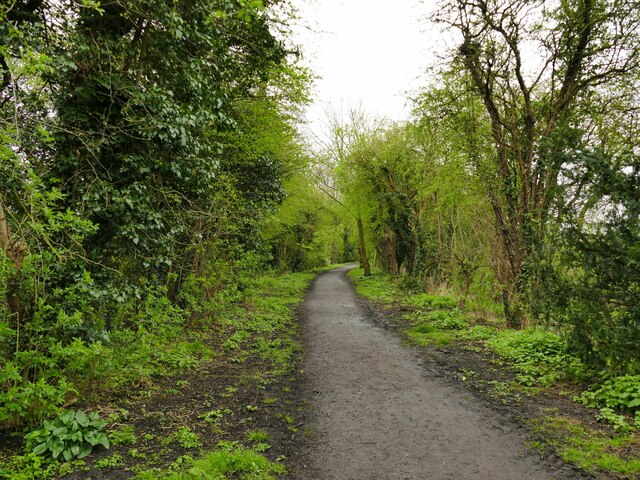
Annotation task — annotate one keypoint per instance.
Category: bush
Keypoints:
(225, 462)
(71, 435)
(592, 287)
(29, 402)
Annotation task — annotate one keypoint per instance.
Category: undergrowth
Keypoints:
(260, 325)
(537, 357)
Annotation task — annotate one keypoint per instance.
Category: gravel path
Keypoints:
(377, 415)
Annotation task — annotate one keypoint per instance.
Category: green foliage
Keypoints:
(136, 176)
(593, 282)
(618, 393)
(187, 438)
(538, 357)
(73, 434)
(30, 402)
(257, 436)
(32, 466)
(264, 328)
(214, 415)
(125, 435)
(258, 440)
(592, 451)
(376, 287)
(442, 319)
(424, 300)
(226, 462)
(478, 332)
(618, 422)
(306, 231)
(427, 334)
(112, 461)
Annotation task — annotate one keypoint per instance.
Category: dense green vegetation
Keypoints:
(151, 174)
(203, 418)
(515, 186)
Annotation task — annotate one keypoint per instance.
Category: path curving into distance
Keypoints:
(377, 415)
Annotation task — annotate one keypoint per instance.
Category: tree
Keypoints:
(532, 64)
(457, 245)
(590, 275)
(336, 179)
(382, 167)
(142, 146)
(597, 282)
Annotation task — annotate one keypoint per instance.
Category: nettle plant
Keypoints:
(621, 393)
(72, 435)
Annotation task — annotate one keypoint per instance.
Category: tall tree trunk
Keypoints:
(364, 260)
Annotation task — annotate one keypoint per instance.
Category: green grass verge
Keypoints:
(264, 325)
(377, 287)
(591, 450)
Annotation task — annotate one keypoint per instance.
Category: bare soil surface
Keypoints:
(380, 412)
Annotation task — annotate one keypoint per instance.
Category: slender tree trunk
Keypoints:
(411, 255)
(4, 231)
(392, 253)
(364, 260)
(15, 253)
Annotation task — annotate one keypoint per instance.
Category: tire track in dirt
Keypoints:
(377, 415)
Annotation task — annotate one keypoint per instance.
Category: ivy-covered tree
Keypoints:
(143, 145)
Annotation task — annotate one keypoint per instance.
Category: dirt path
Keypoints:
(379, 416)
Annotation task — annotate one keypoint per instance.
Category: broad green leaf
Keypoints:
(85, 450)
(67, 454)
(60, 431)
(67, 417)
(91, 438)
(40, 449)
(57, 449)
(102, 439)
(82, 418)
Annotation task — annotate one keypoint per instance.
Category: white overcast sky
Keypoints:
(368, 52)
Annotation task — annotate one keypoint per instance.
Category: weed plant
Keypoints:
(69, 436)
(538, 357)
(225, 462)
(620, 393)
